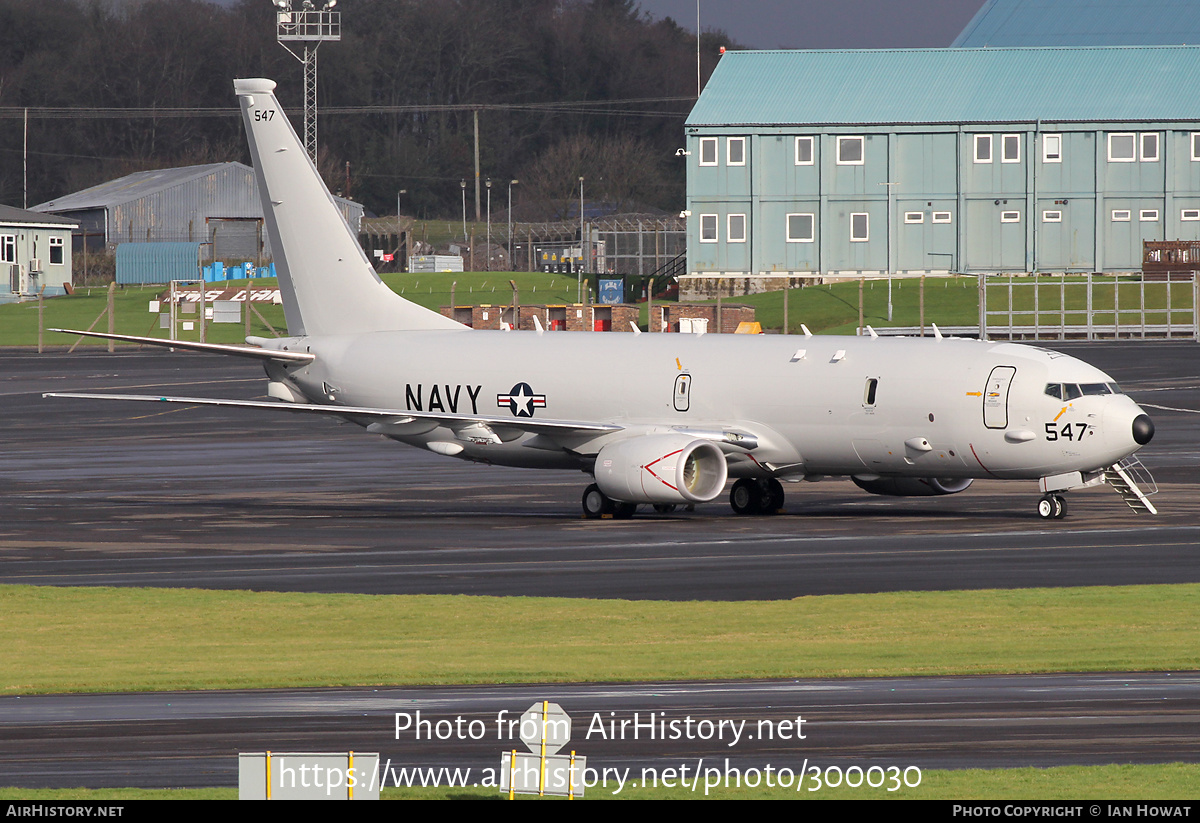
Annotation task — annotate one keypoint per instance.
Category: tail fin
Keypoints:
(327, 283)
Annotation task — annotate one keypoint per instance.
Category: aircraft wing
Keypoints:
(211, 348)
(394, 417)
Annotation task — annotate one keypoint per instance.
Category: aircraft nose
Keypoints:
(1143, 429)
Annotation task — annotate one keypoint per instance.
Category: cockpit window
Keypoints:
(1069, 391)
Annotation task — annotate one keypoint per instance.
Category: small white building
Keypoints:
(35, 252)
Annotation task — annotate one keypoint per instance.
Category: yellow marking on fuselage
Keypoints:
(1061, 413)
(974, 394)
(678, 365)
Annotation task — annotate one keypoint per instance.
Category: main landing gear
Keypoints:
(1052, 506)
(756, 495)
(597, 504)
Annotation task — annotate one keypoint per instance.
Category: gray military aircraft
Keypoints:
(900, 416)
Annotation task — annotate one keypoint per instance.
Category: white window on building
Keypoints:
(1051, 148)
(1010, 217)
(736, 225)
(1189, 215)
(1122, 148)
(860, 223)
(914, 217)
(735, 151)
(800, 228)
(850, 151)
(708, 151)
(1196, 145)
(1150, 147)
(1121, 215)
(1148, 215)
(983, 148)
(1052, 217)
(708, 228)
(57, 255)
(8, 248)
(1010, 148)
(942, 217)
(804, 151)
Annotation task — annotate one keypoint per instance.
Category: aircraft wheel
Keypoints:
(1046, 508)
(664, 508)
(774, 497)
(596, 503)
(744, 497)
(1060, 506)
(624, 511)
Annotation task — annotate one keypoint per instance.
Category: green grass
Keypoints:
(161, 639)
(19, 321)
(1175, 781)
(831, 309)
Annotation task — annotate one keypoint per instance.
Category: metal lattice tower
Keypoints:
(310, 28)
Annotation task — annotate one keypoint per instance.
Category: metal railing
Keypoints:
(1088, 307)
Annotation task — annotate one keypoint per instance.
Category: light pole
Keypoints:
(579, 274)
(402, 191)
(511, 183)
(889, 244)
(489, 224)
(463, 183)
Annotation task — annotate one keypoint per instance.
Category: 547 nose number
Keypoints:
(1069, 431)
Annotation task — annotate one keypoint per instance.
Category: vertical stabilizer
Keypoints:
(328, 284)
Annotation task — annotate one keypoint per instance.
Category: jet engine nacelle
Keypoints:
(661, 468)
(913, 486)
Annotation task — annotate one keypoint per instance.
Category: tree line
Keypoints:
(432, 63)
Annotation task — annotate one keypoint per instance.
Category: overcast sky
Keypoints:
(825, 24)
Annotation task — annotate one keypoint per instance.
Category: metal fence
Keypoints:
(1089, 307)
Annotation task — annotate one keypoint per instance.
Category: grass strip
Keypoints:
(122, 639)
(1173, 781)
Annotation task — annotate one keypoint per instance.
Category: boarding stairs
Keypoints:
(1127, 477)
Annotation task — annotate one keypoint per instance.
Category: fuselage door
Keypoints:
(683, 392)
(995, 397)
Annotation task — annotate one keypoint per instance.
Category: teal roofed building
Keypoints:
(1082, 23)
(840, 163)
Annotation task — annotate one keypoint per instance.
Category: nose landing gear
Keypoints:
(1052, 506)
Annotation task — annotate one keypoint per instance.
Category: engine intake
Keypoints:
(661, 468)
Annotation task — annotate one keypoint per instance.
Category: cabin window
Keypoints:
(942, 217)
(914, 217)
(1052, 217)
(708, 151)
(57, 255)
(1010, 217)
(1189, 214)
(1121, 215)
(804, 151)
(870, 391)
(708, 228)
(1148, 215)
(1196, 145)
(8, 248)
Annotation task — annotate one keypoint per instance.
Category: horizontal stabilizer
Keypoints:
(211, 348)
